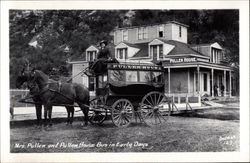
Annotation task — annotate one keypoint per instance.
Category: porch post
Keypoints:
(224, 83)
(230, 84)
(212, 86)
(169, 81)
(198, 76)
(188, 81)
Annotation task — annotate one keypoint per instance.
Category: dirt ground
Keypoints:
(202, 131)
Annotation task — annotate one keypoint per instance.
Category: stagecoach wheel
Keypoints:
(97, 112)
(122, 113)
(154, 108)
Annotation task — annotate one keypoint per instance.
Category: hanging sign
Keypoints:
(182, 60)
(134, 67)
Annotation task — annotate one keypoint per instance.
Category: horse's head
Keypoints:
(24, 76)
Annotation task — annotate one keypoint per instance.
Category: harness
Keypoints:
(46, 88)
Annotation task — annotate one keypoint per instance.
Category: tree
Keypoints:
(48, 38)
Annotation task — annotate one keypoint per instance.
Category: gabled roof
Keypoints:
(93, 46)
(214, 44)
(129, 44)
(143, 52)
(82, 58)
(179, 48)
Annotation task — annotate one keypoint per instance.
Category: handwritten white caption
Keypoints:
(82, 145)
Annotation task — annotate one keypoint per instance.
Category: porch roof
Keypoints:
(198, 64)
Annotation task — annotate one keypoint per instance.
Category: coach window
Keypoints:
(116, 76)
(144, 76)
(131, 76)
(157, 77)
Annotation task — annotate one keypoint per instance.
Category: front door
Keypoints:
(204, 83)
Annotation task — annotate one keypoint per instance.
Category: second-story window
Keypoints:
(156, 51)
(161, 31)
(125, 35)
(91, 55)
(145, 33)
(122, 53)
(160, 51)
(142, 33)
(216, 56)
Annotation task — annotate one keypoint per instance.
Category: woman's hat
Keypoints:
(104, 41)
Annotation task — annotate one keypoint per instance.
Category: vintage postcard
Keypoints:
(111, 81)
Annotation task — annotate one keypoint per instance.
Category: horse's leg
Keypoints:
(85, 111)
(68, 112)
(72, 114)
(38, 113)
(12, 112)
(50, 114)
(45, 114)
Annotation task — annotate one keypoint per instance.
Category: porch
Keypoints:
(199, 79)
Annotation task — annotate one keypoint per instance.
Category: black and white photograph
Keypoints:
(124, 81)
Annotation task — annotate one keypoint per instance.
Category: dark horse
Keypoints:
(33, 93)
(55, 93)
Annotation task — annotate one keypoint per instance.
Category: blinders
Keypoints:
(26, 76)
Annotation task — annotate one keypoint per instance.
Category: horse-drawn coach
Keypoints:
(127, 91)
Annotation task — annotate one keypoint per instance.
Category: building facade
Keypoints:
(190, 70)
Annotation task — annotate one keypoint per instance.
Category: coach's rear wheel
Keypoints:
(97, 112)
(155, 108)
(122, 113)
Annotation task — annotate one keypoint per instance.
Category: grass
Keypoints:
(179, 134)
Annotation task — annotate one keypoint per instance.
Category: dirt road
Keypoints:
(179, 134)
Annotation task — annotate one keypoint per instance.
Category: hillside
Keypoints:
(46, 39)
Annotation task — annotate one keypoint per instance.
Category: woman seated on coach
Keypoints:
(99, 66)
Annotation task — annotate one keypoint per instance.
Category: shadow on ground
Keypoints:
(214, 113)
